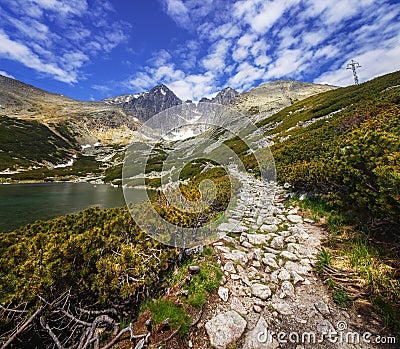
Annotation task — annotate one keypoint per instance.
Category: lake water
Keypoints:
(21, 204)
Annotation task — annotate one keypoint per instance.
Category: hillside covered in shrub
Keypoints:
(344, 146)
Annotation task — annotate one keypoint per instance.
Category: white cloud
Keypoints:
(141, 81)
(215, 60)
(56, 37)
(73, 60)
(178, 11)
(241, 50)
(289, 63)
(239, 54)
(161, 57)
(225, 31)
(247, 40)
(245, 76)
(259, 48)
(314, 38)
(266, 18)
(194, 86)
(4, 73)
(21, 53)
(65, 7)
(325, 52)
(333, 12)
(261, 15)
(155, 75)
(30, 28)
(262, 60)
(189, 14)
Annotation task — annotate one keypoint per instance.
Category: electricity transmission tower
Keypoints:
(353, 65)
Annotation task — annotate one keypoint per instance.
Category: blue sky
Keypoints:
(93, 49)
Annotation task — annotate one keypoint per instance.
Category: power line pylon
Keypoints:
(353, 65)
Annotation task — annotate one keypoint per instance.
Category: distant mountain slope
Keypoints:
(269, 98)
(146, 104)
(84, 121)
(25, 143)
(39, 129)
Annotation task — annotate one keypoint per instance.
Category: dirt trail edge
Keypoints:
(270, 297)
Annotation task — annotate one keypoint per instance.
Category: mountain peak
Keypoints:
(163, 89)
(146, 104)
(225, 96)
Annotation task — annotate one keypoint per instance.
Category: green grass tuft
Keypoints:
(164, 309)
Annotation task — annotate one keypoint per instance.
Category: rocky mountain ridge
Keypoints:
(267, 99)
(146, 104)
(224, 97)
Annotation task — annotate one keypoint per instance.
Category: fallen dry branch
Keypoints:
(22, 328)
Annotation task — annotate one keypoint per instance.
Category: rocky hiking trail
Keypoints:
(270, 287)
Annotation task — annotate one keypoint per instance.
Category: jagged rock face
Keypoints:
(147, 104)
(226, 96)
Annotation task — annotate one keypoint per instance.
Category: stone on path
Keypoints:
(223, 292)
(225, 328)
(270, 262)
(294, 218)
(247, 244)
(287, 288)
(232, 227)
(223, 249)
(269, 228)
(284, 275)
(322, 308)
(238, 306)
(277, 242)
(257, 308)
(272, 221)
(298, 268)
(230, 267)
(259, 337)
(255, 239)
(261, 291)
(282, 307)
(289, 255)
(236, 256)
(257, 254)
(296, 277)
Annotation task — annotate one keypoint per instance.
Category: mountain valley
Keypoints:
(57, 138)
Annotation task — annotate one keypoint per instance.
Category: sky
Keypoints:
(93, 49)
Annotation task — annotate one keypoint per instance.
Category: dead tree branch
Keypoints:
(22, 328)
(51, 333)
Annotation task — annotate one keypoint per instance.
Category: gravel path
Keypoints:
(269, 296)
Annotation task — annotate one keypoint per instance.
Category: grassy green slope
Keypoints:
(353, 155)
(25, 143)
